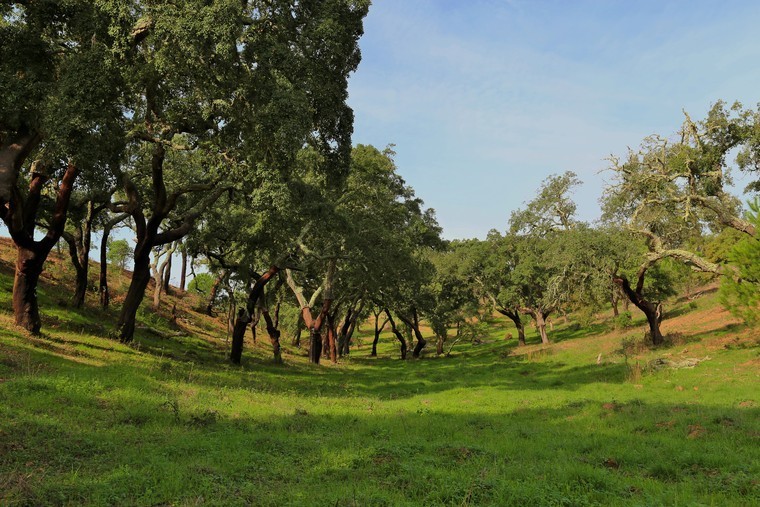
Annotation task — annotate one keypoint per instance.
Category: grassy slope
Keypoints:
(86, 420)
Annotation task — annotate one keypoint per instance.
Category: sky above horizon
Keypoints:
(486, 98)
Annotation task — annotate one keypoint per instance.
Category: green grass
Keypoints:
(85, 420)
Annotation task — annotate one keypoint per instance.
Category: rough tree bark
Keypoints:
(15, 148)
(19, 216)
(214, 292)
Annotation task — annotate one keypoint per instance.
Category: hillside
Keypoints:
(594, 419)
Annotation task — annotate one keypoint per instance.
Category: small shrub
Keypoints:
(622, 321)
(632, 345)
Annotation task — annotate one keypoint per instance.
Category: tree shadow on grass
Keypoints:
(582, 452)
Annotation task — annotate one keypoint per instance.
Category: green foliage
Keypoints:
(119, 252)
(201, 283)
(623, 320)
(740, 291)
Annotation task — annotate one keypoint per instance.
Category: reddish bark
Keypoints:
(20, 219)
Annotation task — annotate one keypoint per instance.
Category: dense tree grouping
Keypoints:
(219, 133)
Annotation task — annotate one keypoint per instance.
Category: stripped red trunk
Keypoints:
(20, 219)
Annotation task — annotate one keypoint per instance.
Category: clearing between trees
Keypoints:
(594, 418)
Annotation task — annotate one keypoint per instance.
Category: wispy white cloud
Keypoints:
(487, 98)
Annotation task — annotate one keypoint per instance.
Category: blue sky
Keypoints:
(486, 98)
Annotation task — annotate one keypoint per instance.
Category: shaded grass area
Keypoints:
(85, 420)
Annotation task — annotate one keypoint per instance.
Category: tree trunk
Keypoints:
(274, 336)
(440, 340)
(514, 316)
(378, 330)
(148, 235)
(315, 345)
(399, 336)
(79, 251)
(105, 298)
(25, 307)
(20, 218)
(167, 272)
(299, 329)
(540, 317)
(652, 310)
(183, 270)
(614, 300)
(244, 318)
(140, 279)
(331, 341)
(14, 150)
(414, 325)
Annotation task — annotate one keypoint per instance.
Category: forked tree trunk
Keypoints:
(378, 329)
(79, 251)
(651, 309)
(20, 219)
(147, 231)
(399, 336)
(244, 318)
(414, 324)
(539, 320)
(315, 324)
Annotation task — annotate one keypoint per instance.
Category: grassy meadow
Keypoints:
(593, 419)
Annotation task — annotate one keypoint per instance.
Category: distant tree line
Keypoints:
(219, 132)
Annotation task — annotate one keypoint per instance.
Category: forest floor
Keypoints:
(596, 418)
